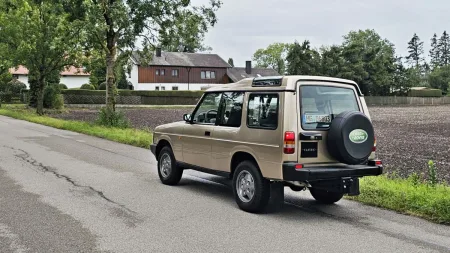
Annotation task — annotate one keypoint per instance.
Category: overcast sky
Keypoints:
(247, 25)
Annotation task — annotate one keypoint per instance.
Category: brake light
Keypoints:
(378, 163)
(289, 143)
(298, 166)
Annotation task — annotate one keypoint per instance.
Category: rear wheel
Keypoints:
(251, 190)
(168, 171)
(324, 196)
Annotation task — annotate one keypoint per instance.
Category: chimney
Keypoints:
(248, 67)
(158, 52)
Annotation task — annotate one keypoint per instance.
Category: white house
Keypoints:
(72, 77)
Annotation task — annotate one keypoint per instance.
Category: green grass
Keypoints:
(407, 196)
(135, 137)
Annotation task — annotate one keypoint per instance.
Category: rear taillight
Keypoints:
(374, 148)
(289, 143)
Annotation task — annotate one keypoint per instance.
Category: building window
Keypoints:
(175, 72)
(157, 88)
(174, 87)
(16, 76)
(163, 88)
(162, 72)
(208, 75)
(157, 72)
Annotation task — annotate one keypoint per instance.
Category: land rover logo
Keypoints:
(358, 136)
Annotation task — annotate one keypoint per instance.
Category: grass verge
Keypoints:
(135, 137)
(407, 196)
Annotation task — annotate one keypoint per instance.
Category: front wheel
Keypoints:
(251, 190)
(168, 171)
(324, 196)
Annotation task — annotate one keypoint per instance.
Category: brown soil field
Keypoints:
(407, 137)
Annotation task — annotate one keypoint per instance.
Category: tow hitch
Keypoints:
(346, 185)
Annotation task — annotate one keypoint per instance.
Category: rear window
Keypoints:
(320, 104)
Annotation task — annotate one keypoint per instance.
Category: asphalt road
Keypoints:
(66, 192)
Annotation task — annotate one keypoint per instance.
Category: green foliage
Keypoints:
(434, 52)
(415, 50)
(425, 93)
(43, 37)
(87, 86)
(439, 78)
(272, 57)
(16, 87)
(432, 174)
(443, 47)
(404, 79)
(109, 118)
(407, 196)
(52, 97)
(122, 82)
(148, 93)
(138, 138)
(62, 86)
(302, 60)
(371, 61)
(332, 61)
(102, 86)
(6, 96)
(96, 66)
(231, 62)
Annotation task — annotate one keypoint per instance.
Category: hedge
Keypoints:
(145, 93)
(425, 93)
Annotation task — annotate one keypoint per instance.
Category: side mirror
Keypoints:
(187, 117)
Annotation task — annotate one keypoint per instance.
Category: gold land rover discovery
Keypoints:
(265, 133)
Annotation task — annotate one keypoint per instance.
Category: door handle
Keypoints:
(207, 133)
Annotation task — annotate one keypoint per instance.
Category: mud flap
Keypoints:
(276, 200)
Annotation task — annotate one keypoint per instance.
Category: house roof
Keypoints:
(237, 74)
(70, 71)
(185, 60)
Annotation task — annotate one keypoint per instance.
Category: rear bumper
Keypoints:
(311, 174)
(153, 149)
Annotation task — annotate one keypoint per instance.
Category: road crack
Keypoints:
(26, 157)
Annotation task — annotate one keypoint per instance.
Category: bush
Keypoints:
(62, 86)
(6, 96)
(87, 86)
(145, 93)
(425, 93)
(102, 86)
(112, 119)
(53, 98)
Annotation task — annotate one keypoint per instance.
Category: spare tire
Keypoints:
(351, 137)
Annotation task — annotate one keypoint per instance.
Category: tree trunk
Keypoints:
(110, 79)
(40, 96)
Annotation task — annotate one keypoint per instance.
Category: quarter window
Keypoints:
(263, 111)
(206, 112)
(232, 109)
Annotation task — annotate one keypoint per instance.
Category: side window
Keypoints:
(206, 112)
(263, 111)
(231, 111)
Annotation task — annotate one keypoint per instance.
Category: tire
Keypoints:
(172, 174)
(324, 196)
(341, 141)
(261, 188)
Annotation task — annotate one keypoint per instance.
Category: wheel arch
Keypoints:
(239, 157)
(161, 144)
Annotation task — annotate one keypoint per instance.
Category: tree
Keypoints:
(186, 34)
(332, 62)
(443, 46)
(370, 61)
(434, 52)
(415, 50)
(272, 57)
(440, 78)
(42, 36)
(404, 78)
(230, 61)
(302, 60)
(116, 25)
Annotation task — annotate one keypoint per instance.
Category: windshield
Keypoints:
(320, 104)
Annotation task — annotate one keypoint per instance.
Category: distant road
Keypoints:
(66, 192)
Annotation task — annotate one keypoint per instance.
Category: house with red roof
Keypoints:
(71, 76)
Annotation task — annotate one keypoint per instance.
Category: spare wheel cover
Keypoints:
(351, 137)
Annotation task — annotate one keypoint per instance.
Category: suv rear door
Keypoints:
(319, 103)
